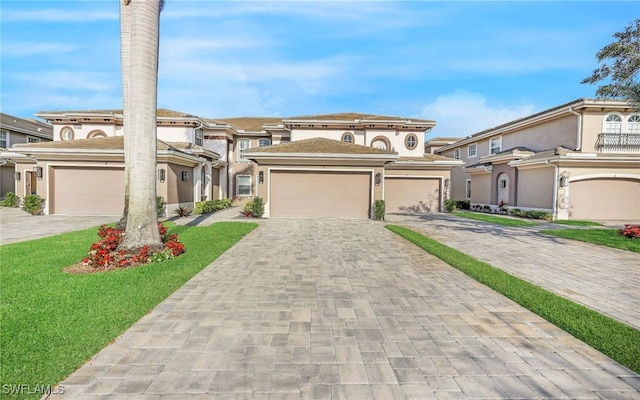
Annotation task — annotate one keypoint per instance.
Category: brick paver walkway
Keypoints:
(338, 309)
(602, 278)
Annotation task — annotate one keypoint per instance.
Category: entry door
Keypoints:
(503, 188)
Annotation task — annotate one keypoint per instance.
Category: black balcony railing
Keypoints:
(624, 142)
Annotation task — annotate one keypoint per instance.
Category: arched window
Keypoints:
(634, 123)
(96, 134)
(613, 124)
(380, 142)
(347, 137)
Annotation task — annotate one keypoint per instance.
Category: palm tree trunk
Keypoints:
(125, 62)
(140, 137)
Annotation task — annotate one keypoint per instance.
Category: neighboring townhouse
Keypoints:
(333, 165)
(15, 130)
(432, 145)
(580, 160)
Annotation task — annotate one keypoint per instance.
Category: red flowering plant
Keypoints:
(630, 231)
(105, 253)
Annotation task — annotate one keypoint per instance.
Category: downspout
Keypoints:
(555, 189)
(579, 129)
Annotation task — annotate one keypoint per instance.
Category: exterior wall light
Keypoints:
(38, 172)
(378, 178)
(185, 175)
(16, 175)
(162, 174)
(446, 182)
(564, 181)
(261, 177)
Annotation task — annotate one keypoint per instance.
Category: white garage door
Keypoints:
(311, 194)
(605, 199)
(87, 191)
(411, 195)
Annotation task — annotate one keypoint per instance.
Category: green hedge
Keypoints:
(209, 206)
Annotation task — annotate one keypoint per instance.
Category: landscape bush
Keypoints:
(33, 204)
(630, 231)
(254, 208)
(463, 204)
(379, 210)
(10, 200)
(450, 205)
(209, 206)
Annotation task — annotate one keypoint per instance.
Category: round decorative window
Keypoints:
(66, 133)
(411, 141)
(347, 137)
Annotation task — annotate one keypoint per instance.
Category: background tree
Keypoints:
(621, 72)
(140, 34)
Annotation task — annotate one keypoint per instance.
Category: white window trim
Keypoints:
(238, 186)
(475, 146)
(4, 137)
(263, 139)
(199, 137)
(491, 146)
(240, 158)
(456, 153)
(467, 189)
(33, 139)
(607, 125)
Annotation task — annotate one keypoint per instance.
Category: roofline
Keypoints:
(534, 118)
(320, 155)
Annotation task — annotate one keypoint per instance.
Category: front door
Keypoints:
(503, 189)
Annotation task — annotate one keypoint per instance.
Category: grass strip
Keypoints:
(603, 237)
(573, 222)
(615, 339)
(53, 322)
(494, 219)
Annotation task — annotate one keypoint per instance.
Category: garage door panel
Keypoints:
(88, 191)
(605, 199)
(310, 194)
(412, 195)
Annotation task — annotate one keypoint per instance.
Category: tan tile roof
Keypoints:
(319, 146)
(100, 143)
(428, 158)
(161, 113)
(355, 116)
(247, 124)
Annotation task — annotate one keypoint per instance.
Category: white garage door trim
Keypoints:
(369, 173)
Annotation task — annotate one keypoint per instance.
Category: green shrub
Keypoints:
(536, 214)
(254, 208)
(33, 204)
(209, 206)
(379, 209)
(463, 204)
(10, 200)
(182, 212)
(450, 205)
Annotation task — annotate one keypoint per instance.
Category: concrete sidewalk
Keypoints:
(601, 278)
(343, 309)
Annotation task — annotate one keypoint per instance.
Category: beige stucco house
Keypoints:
(580, 160)
(14, 130)
(333, 165)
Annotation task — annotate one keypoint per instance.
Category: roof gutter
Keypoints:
(555, 189)
(579, 129)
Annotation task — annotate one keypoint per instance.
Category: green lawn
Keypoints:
(494, 219)
(603, 237)
(572, 222)
(53, 322)
(615, 339)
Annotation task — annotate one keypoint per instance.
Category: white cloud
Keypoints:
(61, 15)
(27, 49)
(464, 113)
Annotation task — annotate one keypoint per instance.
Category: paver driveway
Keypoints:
(343, 309)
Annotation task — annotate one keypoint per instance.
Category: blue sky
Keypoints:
(467, 65)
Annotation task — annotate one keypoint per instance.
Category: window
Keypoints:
(243, 144)
(198, 141)
(3, 139)
(264, 142)
(31, 139)
(468, 189)
(613, 124)
(380, 142)
(243, 185)
(472, 150)
(66, 133)
(495, 145)
(96, 134)
(634, 123)
(503, 183)
(411, 141)
(347, 137)
(456, 153)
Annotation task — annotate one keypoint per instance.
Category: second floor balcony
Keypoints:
(618, 142)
